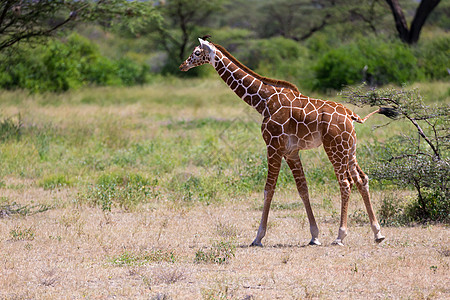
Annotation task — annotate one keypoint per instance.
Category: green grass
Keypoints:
(128, 258)
(177, 140)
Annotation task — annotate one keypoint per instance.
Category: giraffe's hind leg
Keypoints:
(295, 164)
(345, 186)
(362, 182)
(339, 161)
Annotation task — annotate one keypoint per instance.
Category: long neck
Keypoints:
(245, 85)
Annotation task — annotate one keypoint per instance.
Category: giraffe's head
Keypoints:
(202, 54)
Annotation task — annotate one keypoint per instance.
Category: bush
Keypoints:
(63, 65)
(434, 57)
(339, 67)
(374, 61)
(278, 57)
(431, 205)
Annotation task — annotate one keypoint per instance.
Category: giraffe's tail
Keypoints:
(386, 111)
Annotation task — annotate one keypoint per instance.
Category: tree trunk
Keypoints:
(411, 36)
(423, 11)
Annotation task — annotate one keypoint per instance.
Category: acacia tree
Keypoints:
(420, 158)
(299, 20)
(180, 22)
(29, 20)
(411, 35)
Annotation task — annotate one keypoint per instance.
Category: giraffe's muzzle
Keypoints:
(184, 67)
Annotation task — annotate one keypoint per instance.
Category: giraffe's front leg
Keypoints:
(295, 164)
(274, 164)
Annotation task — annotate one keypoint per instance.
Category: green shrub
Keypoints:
(430, 206)
(278, 57)
(434, 57)
(130, 72)
(63, 65)
(371, 60)
(339, 67)
(392, 212)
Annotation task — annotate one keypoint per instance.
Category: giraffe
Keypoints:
(293, 122)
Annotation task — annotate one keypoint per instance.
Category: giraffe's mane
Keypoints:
(270, 81)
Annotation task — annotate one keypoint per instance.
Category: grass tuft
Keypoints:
(22, 234)
(10, 128)
(219, 253)
(141, 258)
(57, 181)
(125, 190)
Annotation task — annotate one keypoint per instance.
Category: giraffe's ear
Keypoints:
(205, 45)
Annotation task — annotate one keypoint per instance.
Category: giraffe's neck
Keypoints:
(245, 85)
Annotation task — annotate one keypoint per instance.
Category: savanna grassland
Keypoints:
(155, 192)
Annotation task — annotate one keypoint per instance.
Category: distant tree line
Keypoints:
(318, 44)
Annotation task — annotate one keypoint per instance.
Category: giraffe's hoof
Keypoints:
(314, 242)
(256, 244)
(337, 242)
(379, 239)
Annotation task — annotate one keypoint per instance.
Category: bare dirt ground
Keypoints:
(74, 252)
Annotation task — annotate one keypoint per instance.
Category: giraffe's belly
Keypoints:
(309, 141)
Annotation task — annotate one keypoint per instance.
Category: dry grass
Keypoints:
(73, 248)
(66, 246)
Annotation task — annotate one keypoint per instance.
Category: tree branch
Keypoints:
(314, 29)
(422, 134)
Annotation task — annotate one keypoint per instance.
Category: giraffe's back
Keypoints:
(296, 122)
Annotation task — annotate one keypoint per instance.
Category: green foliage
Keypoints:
(434, 57)
(124, 190)
(31, 21)
(432, 205)
(277, 57)
(393, 212)
(219, 253)
(177, 30)
(370, 60)
(64, 65)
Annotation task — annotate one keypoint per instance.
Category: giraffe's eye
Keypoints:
(197, 53)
